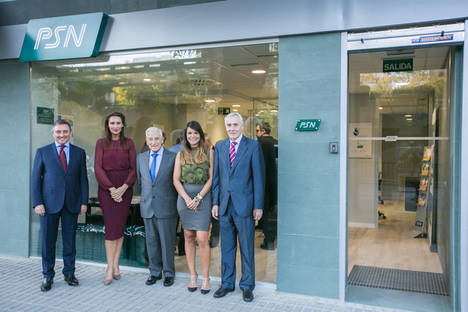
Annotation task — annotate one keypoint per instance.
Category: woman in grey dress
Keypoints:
(193, 171)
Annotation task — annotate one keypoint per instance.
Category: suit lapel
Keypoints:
(72, 155)
(53, 150)
(243, 147)
(145, 165)
(162, 166)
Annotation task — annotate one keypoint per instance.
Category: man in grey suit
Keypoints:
(158, 206)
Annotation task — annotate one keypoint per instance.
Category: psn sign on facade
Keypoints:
(65, 37)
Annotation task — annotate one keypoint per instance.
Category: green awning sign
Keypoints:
(308, 124)
(397, 65)
(64, 37)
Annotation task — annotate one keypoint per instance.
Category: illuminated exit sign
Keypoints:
(397, 65)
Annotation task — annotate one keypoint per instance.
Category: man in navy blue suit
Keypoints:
(59, 189)
(238, 190)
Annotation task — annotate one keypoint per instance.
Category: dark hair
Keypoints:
(200, 155)
(62, 122)
(267, 127)
(122, 138)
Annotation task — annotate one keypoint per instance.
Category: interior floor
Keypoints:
(391, 245)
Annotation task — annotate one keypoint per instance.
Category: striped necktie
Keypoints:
(232, 152)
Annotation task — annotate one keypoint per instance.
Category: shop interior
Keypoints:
(165, 89)
(399, 176)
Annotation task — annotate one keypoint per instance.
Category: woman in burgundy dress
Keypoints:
(114, 166)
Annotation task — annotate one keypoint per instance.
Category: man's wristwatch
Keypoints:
(199, 197)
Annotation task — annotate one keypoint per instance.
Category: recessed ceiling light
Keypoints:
(380, 107)
(147, 79)
(190, 63)
(103, 69)
(235, 110)
(209, 101)
(409, 119)
(122, 67)
(155, 65)
(408, 115)
(258, 71)
(235, 105)
(139, 66)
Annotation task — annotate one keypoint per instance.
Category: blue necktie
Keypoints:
(153, 167)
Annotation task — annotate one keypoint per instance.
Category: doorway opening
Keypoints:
(399, 108)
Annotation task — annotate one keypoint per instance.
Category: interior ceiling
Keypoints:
(409, 101)
(223, 75)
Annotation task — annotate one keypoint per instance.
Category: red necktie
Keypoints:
(232, 152)
(63, 157)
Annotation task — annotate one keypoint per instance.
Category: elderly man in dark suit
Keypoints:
(238, 190)
(59, 189)
(158, 206)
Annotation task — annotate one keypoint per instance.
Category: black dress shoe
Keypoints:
(47, 284)
(222, 291)
(268, 246)
(71, 280)
(168, 281)
(247, 295)
(152, 279)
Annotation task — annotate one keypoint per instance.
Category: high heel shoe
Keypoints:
(107, 281)
(116, 276)
(205, 286)
(193, 283)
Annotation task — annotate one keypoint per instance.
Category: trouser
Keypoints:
(234, 227)
(160, 240)
(49, 229)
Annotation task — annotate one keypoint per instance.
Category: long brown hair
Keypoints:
(122, 138)
(200, 155)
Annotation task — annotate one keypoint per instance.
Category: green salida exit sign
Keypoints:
(308, 125)
(397, 65)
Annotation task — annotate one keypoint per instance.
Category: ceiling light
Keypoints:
(139, 66)
(235, 105)
(103, 69)
(122, 67)
(409, 119)
(235, 110)
(155, 65)
(380, 107)
(147, 79)
(190, 63)
(209, 101)
(408, 115)
(258, 71)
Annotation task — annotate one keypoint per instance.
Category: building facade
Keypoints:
(368, 101)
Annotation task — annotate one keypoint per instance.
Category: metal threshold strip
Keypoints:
(395, 138)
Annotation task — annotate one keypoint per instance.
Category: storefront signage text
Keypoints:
(397, 65)
(426, 39)
(308, 125)
(63, 37)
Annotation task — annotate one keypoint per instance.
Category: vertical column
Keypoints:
(308, 175)
(15, 140)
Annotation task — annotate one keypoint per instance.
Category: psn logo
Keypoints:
(45, 34)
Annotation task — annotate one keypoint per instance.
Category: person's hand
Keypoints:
(121, 190)
(257, 214)
(214, 212)
(194, 204)
(188, 202)
(115, 194)
(40, 210)
(84, 208)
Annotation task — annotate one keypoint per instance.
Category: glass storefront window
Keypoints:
(155, 88)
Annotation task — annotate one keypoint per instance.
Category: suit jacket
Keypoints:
(158, 199)
(53, 187)
(244, 182)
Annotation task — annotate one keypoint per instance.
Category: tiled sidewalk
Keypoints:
(20, 279)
